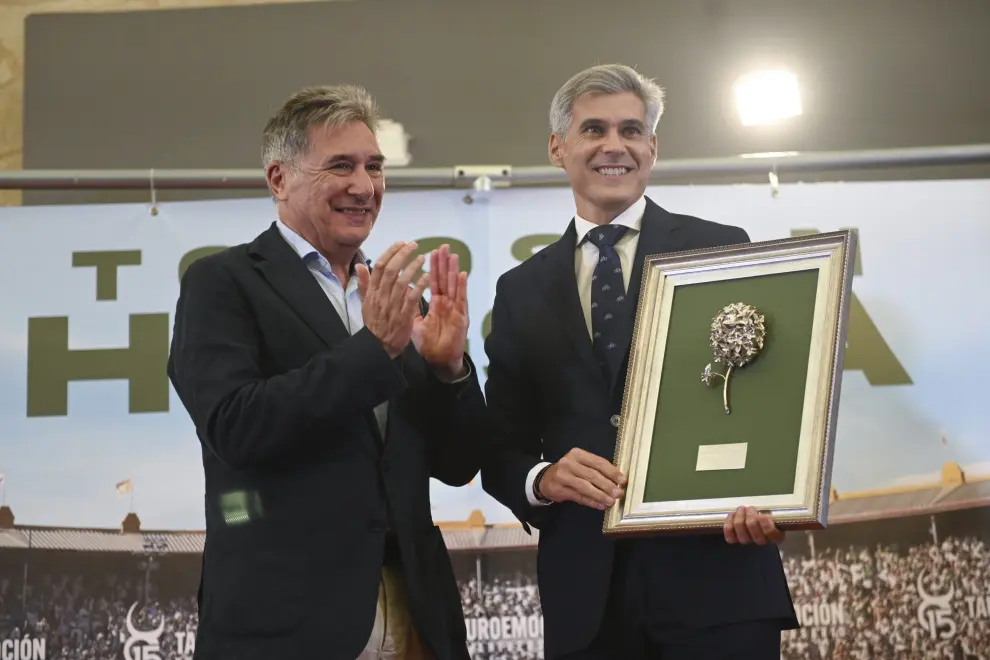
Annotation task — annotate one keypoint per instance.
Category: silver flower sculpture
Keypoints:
(737, 336)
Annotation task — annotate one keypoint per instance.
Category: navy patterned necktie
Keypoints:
(608, 299)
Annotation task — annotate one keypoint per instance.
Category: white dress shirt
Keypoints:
(585, 260)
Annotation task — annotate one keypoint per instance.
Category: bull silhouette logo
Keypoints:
(935, 612)
(147, 640)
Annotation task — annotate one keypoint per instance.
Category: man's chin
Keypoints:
(356, 239)
(617, 199)
(354, 236)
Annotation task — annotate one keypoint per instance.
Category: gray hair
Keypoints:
(286, 134)
(605, 79)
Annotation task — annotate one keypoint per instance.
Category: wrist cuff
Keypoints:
(536, 486)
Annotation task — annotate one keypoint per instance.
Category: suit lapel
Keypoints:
(658, 234)
(560, 291)
(282, 268)
(289, 276)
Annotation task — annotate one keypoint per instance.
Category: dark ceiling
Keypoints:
(471, 81)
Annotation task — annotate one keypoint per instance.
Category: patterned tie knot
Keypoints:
(606, 235)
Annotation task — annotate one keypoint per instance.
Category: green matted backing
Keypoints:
(766, 397)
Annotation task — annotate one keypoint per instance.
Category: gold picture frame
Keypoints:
(698, 440)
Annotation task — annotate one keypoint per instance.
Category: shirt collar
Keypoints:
(306, 251)
(632, 217)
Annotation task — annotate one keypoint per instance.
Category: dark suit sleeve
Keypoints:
(452, 416)
(243, 417)
(514, 440)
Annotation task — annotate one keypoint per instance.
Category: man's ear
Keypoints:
(555, 150)
(654, 148)
(275, 174)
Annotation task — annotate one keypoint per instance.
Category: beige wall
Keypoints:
(12, 15)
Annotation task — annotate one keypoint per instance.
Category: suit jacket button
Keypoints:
(385, 465)
(615, 420)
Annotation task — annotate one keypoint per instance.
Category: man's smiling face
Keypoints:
(608, 154)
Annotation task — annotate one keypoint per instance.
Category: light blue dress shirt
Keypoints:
(345, 299)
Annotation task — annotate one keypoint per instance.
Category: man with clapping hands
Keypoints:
(326, 393)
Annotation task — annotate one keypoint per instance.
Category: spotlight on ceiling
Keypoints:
(767, 97)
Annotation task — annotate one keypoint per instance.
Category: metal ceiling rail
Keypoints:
(502, 175)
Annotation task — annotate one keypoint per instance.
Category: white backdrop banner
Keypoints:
(91, 427)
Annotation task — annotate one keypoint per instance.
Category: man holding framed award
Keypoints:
(658, 554)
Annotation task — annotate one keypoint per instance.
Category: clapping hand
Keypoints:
(441, 335)
(389, 305)
(746, 525)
